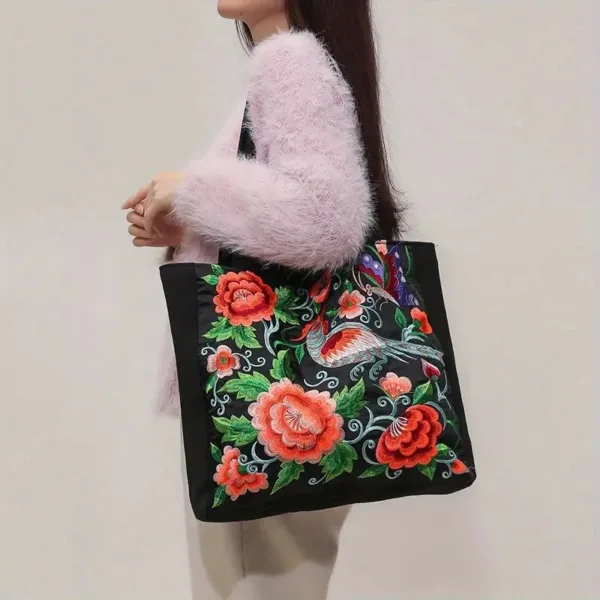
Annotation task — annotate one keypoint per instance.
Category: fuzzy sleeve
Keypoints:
(304, 202)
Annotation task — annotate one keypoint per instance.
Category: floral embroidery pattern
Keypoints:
(243, 298)
(351, 304)
(421, 321)
(411, 439)
(223, 362)
(395, 386)
(296, 386)
(233, 481)
(293, 424)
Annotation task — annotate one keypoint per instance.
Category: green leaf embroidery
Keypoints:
(348, 285)
(289, 472)
(247, 387)
(237, 430)
(428, 470)
(341, 460)
(216, 453)
(409, 262)
(284, 309)
(220, 496)
(285, 297)
(401, 319)
(282, 366)
(300, 353)
(286, 316)
(212, 380)
(444, 453)
(245, 337)
(349, 402)
(422, 393)
(221, 330)
(374, 471)
(218, 270)
(332, 312)
(211, 279)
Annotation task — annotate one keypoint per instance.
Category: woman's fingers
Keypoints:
(139, 232)
(140, 242)
(135, 218)
(151, 211)
(136, 198)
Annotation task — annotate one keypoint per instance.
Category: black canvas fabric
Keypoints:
(305, 391)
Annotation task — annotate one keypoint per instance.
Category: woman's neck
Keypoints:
(269, 26)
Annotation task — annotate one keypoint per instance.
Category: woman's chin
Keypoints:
(229, 9)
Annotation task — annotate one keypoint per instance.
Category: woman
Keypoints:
(320, 184)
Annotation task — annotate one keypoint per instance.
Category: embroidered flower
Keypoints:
(395, 386)
(244, 298)
(410, 440)
(236, 483)
(296, 425)
(430, 371)
(223, 362)
(382, 248)
(319, 290)
(459, 468)
(421, 321)
(351, 304)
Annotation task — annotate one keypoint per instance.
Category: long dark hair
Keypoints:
(346, 30)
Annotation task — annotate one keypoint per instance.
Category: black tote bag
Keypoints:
(303, 391)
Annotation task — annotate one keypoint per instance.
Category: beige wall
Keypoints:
(491, 107)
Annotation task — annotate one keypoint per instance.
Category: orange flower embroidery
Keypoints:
(351, 304)
(459, 468)
(421, 321)
(223, 362)
(236, 483)
(395, 386)
(244, 298)
(410, 440)
(296, 425)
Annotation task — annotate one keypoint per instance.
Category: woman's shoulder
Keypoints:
(286, 45)
(294, 55)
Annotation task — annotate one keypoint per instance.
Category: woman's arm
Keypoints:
(304, 202)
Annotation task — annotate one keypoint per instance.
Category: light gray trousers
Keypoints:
(290, 557)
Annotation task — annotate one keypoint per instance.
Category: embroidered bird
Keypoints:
(354, 343)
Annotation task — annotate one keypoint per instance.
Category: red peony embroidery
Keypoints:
(296, 425)
(223, 362)
(237, 484)
(244, 298)
(395, 386)
(421, 321)
(410, 440)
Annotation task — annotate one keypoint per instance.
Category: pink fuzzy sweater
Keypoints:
(304, 201)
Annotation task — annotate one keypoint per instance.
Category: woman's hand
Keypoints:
(165, 234)
(149, 214)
